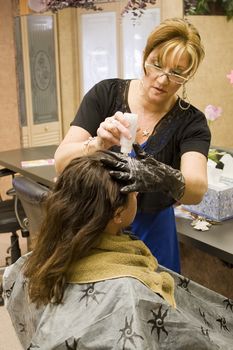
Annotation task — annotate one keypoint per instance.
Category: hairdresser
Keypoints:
(170, 130)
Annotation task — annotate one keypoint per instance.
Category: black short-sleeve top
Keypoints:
(178, 132)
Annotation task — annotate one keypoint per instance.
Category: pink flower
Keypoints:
(230, 76)
(212, 113)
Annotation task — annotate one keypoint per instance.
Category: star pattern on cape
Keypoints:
(128, 334)
(90, 293)
(158, 321)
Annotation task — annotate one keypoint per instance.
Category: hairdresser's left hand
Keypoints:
(111, 129)
(145, 174)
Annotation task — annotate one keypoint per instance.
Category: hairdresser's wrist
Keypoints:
(92, 145)
(176, 184)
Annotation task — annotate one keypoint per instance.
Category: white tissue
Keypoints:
(217, 203)
(219, 179)
(227, 172)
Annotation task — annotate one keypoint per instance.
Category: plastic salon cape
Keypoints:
(120, 314)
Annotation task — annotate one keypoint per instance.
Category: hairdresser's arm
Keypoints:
(194, 170)
(77, 142)
(71, 147)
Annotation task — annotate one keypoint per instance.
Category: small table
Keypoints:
(217, 241)
(42, 174)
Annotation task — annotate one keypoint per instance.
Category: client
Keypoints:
(89, 284)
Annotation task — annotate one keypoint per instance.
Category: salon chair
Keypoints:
(24, 212)
(31, 195)
(9, 210)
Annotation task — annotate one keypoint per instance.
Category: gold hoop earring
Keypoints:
(185, 99)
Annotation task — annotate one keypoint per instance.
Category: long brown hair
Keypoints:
(77, 210)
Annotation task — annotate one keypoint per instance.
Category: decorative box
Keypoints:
(217, 203)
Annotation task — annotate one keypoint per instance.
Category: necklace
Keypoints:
(151, 120)
(145, 132)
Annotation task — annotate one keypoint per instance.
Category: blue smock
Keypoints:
(158, 231)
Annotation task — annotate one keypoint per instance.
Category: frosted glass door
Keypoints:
(99, 53)
(42, 66)
(37, 59)
(135, 33)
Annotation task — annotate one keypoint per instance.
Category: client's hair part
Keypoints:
(77, 210)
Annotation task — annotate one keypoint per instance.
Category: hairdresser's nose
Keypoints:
(163, 78)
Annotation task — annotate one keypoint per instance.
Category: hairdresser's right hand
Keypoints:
(145, 174)
(111, 129)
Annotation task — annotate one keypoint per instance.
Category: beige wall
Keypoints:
(210, 85)
(9, 122)
(68, 56)
(171, 8)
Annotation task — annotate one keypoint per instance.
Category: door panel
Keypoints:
(41, 83)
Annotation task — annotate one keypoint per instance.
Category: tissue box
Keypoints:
(217, 203)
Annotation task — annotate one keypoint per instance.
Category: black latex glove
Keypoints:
(145, 174)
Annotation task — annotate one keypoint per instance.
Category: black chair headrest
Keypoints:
(29, 190)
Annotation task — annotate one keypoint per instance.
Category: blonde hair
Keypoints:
(176, 36)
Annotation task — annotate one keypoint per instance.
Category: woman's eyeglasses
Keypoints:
(173, 77)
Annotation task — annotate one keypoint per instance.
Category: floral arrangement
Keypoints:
(212, 113)
(230, 76)
(55, 5)
(209, 7)
(136, 7)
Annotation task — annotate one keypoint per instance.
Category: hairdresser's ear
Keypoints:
(117, 216)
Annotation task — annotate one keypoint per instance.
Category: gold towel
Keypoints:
(121, 256)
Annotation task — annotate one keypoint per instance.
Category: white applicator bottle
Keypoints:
(126, 144)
